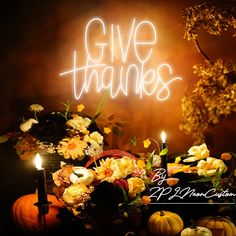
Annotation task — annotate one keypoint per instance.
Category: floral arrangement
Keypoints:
(71, 134)
(118, 183)
(213, 96)
(111, 189)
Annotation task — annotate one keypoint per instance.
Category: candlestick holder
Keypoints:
(43, 208)
(164, 159)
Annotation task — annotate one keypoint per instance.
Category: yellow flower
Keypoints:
(36, 108)
(76, 195)
(107, 130)
(136, 186)
(146, 143)
(72, 148)
(80, 107)
(96, 137)
(111, 169)
(210, 166)
(198, 153)
(107, 170)
(125, 166)
(177, 160)
(141, 164)
(79, 123)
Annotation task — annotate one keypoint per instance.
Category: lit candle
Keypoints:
(41, 181)
(163, 146)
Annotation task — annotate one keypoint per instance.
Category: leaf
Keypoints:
(134, 141)
(4, 138)
(163, 151)
(150, 156)
(233, 154)
(124, 194)
(119, 124)
(118, 221)
(202, 180)
(100, 106)
(149, 165)
(136, 201)
(96, 116)
(117, 131)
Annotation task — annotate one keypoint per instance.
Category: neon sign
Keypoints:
(132, 75)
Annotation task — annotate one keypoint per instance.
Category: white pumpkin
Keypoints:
(26, 126)
(196, 231)
(81, 175)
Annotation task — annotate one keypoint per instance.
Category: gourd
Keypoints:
(218, 225)
(165, 223)
(26, 217)
(196, 231)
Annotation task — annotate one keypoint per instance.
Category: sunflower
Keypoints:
(72, 148)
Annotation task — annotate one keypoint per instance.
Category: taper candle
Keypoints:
(164, 156)
(41, 181)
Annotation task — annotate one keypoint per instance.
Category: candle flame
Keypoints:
(163, 137)
(38, 162)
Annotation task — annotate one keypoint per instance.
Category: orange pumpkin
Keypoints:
(219, 226)
(25, 214)
(165, 223)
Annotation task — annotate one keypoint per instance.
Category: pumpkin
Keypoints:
(196, 231)
(165, 223)
(26, 217)
(219, 226)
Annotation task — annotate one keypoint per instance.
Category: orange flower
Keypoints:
(107, 130)
(146, 200)
(80, 107)
(172, 181)
(72, 148)
(226, 156)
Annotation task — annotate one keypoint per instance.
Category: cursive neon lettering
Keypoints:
(134, 76)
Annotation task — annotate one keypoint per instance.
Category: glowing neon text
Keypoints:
(125, 78)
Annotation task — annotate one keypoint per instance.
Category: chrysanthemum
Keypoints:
(107, 170)
(36, 108)
(72, 148)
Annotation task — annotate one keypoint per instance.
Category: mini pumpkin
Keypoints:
(218, 225)
(196, 231)
(26, 217)
(165, 223)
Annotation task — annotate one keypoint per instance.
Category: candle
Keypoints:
(41, 181)
(163, 157)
